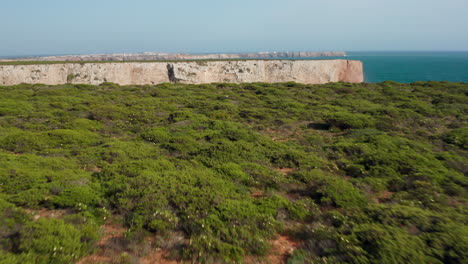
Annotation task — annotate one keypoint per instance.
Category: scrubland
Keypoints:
(351, 173)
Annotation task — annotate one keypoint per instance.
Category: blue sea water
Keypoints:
(407, 67)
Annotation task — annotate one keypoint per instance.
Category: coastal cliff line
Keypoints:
(191, 72)
(155, 56)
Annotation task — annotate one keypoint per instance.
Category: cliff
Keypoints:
(180, 56)
(196, 72)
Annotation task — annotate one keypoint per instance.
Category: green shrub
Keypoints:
(85, 124)
(75, 195)
(157, 135)
(333, 190)
(343, 120)
(390, 245)
(261, 176)
(23, 142)
(14, 107)
(52, 241)
(63, 137)
(457, 137)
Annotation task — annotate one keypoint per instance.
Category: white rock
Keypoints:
(194, 72)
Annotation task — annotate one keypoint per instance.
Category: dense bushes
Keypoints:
(23, 240)
(457, 137)
(348, 120)
(354, 173)
(332, 190)
(52, 241)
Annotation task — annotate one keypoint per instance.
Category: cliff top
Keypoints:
(15, 62)
(174, 56)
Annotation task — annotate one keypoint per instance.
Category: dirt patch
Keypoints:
(159, 257)
(96, 169)
(384, 196)
(282, 248)
(285, 171)
(114, 248)
(280, 139)
(107, 245)
(255, 193)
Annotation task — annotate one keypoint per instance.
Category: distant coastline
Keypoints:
(154, 56)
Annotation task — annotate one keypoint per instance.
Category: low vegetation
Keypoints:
(352, 173)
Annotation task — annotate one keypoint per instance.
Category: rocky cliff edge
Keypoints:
(194, 72)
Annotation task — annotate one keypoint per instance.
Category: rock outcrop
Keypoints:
(195, 72)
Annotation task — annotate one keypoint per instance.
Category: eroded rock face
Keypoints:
(195, 72)
(301, 71)
(87, 73)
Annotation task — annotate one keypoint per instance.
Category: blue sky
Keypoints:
(33, 27)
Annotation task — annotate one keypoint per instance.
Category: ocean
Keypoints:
(407, 67)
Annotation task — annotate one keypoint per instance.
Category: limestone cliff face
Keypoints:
(301, 71)
(88, 73)
(196, 72)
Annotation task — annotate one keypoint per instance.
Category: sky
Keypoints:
(49, 27)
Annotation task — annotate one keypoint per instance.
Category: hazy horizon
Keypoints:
(53, 27)
(195, 53)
